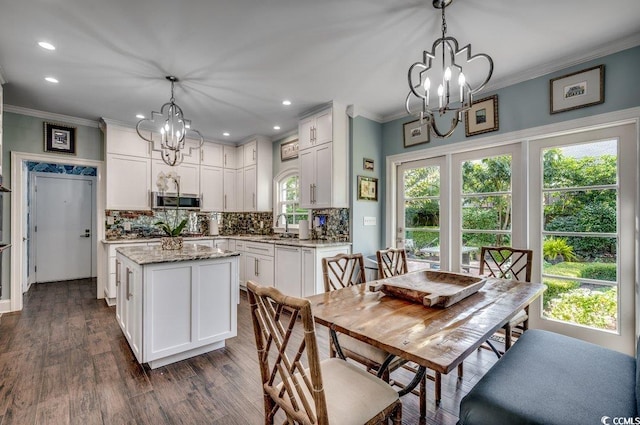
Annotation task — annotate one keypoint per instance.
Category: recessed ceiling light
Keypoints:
(51, 80)
(140, 116)
(226, 134)
(46, 45)
(276, 127)
(286, 102)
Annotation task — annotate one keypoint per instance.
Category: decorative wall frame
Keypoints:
(367, 164)
(367, 188)
(416, 134)
(59, 138)
(577, 90)
(482, 117)
(289, 150)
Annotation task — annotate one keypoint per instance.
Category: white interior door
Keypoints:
(63, 229)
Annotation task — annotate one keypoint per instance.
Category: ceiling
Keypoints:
(238, 59)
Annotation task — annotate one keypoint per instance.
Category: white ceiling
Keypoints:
(238, 59)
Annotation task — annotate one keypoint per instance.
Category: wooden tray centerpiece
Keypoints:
(429, 287)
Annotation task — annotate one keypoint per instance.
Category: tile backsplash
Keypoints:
(332, 223)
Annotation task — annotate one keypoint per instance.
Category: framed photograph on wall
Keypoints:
(415, 134)
(289, 150)
(59, 138)
(367, 164)
(482, 117)
(577, 90)
(367, 188)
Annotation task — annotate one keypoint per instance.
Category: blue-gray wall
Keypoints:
(23, 133)
(526, 105)
(366, 142)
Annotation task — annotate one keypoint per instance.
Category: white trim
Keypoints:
(2, 79)
(18, 187)
(50, 116)
(5, 306)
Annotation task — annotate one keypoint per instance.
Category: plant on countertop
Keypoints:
(171, 228)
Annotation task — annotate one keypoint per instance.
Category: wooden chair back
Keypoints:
(391, 262)
(505, 262)
(286, 384)
(342, 270)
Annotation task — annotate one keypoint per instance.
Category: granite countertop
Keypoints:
(154, 254)
(273, 239)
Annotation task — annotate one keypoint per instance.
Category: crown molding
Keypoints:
(357, 111)
(50, 116)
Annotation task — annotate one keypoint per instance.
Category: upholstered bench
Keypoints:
(547, 378)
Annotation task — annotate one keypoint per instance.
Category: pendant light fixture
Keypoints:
(169, 127)
(438, 84)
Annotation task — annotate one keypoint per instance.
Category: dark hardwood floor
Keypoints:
(64, 360)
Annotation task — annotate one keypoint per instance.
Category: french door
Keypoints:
(583, 196)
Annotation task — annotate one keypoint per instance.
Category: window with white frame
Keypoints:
(288, 200)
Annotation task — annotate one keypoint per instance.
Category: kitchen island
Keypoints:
(173, 305)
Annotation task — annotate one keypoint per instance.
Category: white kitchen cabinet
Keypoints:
(110, 289)
(239, 190)
(316, 177)
(324, 156)
(288, 270)
(127, 182)
(222, 244)
(211, 154)
(124, 140)
(240, 246)
(175, 310)
(298, 271)
(229, 196)
(316, 129)
(250, 187)
(229, 157)
(189, 176)
(259, 263)
(250, 153)
(129, 304)
(212, 188)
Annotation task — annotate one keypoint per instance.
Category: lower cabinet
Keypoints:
(298, 271)
(176, 310)
(259, 263)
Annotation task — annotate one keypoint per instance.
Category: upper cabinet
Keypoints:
(211, 154)
(257, 160)
(229, 157)
(324, 156)
(128, 169)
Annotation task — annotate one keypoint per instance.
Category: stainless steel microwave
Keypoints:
(185, 201)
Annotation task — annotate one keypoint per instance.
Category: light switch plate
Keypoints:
(369, 221)
(127, 226)
(110, 220)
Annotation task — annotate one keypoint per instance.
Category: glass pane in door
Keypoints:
(580, 234)
(486, 201)
(421, 205)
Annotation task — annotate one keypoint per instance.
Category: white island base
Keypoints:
(173, 305)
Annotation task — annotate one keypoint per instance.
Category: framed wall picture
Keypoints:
(367, 164)
(59, 138)
(367, 188)
(289, 150)
(482, 117)
(577, 90)
(415, 134)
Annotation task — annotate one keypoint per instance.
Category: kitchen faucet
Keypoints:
(286, 223)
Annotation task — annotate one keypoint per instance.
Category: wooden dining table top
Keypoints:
(436, 338)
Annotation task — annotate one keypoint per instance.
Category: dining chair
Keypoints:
(294, 380)
(504, 262)
(342, 271)
(393, 262)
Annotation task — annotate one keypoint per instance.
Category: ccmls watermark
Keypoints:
(606, 420)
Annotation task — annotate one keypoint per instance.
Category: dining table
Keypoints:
(432, 337)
